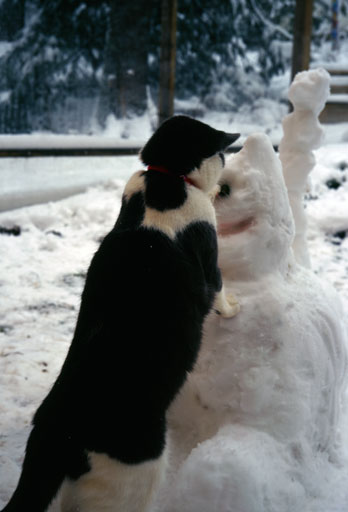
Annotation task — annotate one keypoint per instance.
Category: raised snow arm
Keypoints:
(302, 133)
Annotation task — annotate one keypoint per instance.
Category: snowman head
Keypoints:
(255, 222)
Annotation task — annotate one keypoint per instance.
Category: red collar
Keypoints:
(163, 170)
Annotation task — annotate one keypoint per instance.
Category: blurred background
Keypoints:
(100, 67)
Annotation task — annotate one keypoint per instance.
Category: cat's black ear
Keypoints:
(229, 138)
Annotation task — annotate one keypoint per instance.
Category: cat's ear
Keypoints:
(229, 138)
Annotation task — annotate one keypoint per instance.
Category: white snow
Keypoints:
(51, 141)
(338, 98)
(5, 46)
(260, 426)
(339, 80)
(27, 181)
(4, 96)
(336, 65)
(302, 133)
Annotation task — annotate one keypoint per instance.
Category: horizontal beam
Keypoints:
(46, 152)
(80, 152)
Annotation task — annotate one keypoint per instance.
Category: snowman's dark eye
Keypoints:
(225, 190)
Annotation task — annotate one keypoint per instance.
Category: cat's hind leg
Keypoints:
(42, 474)
(112, 486)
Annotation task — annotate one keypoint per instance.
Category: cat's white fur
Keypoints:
(112, 486)
(197, 207)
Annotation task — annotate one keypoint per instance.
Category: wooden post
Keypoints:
(167, 60)
(302, 36)
(334, 26)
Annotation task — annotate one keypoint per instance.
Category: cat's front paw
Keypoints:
(227, 306)
(230, 309)
(214, 192)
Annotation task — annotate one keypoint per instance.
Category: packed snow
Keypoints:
(27, 181)
(261, 425)
(256, 427)
(302, 133)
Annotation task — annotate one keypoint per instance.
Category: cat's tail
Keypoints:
(42, 474)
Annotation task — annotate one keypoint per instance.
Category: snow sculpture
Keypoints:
(255, 428)
(302, 133)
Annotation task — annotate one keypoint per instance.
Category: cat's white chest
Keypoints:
(196, 208)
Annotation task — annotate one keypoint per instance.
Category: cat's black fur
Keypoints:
(194, 141)
(138, 331)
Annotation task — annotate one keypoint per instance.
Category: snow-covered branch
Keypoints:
(268, 23)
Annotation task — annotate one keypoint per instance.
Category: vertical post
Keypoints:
(302, 36)
(334, 27)
(167, 60)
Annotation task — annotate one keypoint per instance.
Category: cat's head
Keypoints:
(185, 146)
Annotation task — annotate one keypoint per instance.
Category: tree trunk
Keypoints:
(334, 25)
(123, 91)
(167, 62)
(302, 36)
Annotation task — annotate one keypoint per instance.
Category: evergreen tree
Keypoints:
(71, 59)
(11, 19)
(53, 65)
(227, 47)
(125, 74)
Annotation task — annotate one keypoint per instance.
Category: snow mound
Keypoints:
(226, 473)
(256, 427)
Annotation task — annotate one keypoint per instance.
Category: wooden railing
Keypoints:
(37, 152)
(336, 109)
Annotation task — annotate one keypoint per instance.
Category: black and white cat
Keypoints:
(99, 437)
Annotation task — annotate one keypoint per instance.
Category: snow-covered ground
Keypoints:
(27, 181)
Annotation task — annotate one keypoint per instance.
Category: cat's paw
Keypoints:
(229, 307)
(214, 192)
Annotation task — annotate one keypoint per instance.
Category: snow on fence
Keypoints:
(65, 145)
(336, 109)
(70, 145)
